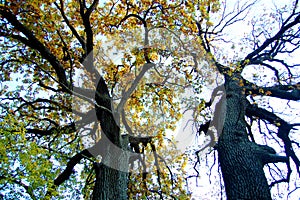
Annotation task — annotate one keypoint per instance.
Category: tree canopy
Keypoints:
(92, 94)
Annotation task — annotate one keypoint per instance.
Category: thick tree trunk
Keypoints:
(112, 172)
(241, 161)
(112, 175)
(110, 184)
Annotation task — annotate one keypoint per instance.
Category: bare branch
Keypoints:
(286, 26)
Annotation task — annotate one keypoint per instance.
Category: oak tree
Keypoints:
(91, 91)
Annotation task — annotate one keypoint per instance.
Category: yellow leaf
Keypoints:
(261, 91)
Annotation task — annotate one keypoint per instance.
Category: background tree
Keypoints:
(61, 56)
(261, 75)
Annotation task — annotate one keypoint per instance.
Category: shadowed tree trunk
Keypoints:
(241, 166)
(241, 160)
(110, 183)
(112, 172)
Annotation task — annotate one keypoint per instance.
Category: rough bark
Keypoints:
(241, 160)
(107, 189)
(112, 175)
(112, 172)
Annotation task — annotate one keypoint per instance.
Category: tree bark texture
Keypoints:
(111, 176)
(111, 184)
(112, 173)
(241, 160)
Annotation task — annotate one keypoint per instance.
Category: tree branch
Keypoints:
(126, 94)
(276, 37)
(34, 43)
(283, 129)
(71, 164)
(66, 129)
(288, 92)
(268, 155)
(62, 12)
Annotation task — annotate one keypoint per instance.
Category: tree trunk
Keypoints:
(111, 184)
(240, 160)
(112, 173)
